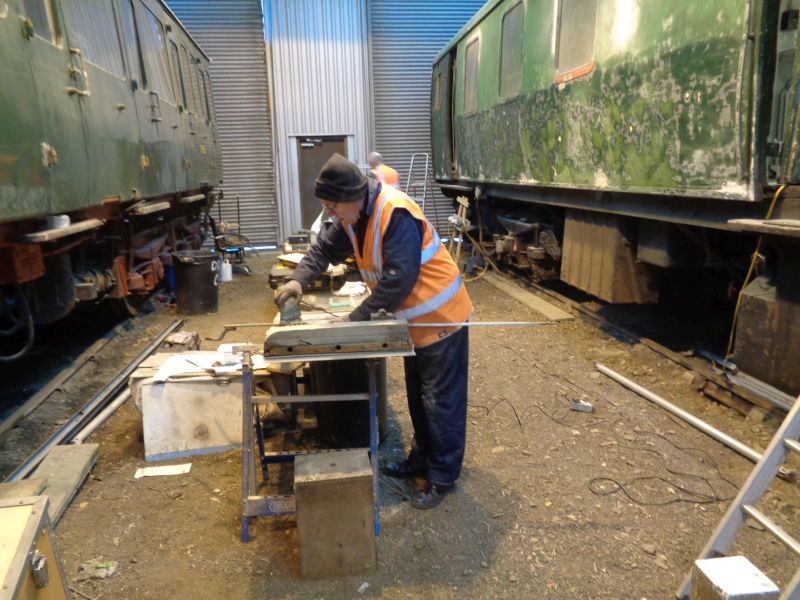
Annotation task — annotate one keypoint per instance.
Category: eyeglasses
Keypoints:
(329, 206)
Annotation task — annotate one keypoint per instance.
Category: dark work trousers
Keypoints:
(436, 385)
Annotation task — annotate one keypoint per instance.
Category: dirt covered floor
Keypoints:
(552, 503)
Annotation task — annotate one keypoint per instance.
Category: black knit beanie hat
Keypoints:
(339, 180)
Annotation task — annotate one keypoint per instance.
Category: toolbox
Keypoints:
(29, 565)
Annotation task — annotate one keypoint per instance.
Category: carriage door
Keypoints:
(109, 111)
(312, 153)
(442, 118)
(162, 166)
(60, 83)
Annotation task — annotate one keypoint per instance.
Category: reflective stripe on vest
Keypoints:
(426, 254)
(432, 304)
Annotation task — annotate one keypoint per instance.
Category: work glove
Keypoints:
(290, 289)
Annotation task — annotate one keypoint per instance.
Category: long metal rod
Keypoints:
(485, 324)
(91, 408)
(102, 417)
(718, 435)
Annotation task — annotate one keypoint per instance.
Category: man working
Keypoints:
(409, 272)
(383, 172)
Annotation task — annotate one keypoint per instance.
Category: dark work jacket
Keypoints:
(402, 243)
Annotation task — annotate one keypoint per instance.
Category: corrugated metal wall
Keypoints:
(319, 64)
(232, 34)
(405, 38)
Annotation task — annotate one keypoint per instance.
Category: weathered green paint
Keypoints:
(107, 143)
(665, 110)
(22, 181)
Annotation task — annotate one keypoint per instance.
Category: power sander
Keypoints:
(290, 311)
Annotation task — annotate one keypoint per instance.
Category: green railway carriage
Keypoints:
(108, 154)
(614, 143)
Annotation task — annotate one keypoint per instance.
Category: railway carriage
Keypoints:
(618, 144)
(108, 155)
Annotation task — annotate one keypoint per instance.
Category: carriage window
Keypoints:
(471, 78)
(210, 96)
(131, 41)
(94, 31)
(42, 15)
(437, 91)
(511, 52)
(154, 53)
(195, 83)
(177, 79)
(185, 77)
(576, 30)
(200, 90)
(206, 92)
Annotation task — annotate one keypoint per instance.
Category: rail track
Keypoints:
(71, 383)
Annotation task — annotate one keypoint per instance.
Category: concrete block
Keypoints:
(730, 578)
(335, 513)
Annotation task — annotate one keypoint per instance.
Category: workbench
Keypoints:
(318, 342)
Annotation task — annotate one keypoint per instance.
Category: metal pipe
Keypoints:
(718, 435)
(91, 408)
(102, 416)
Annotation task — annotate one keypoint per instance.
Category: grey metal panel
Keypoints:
(232, 34)
(405, 38)
(319, 67)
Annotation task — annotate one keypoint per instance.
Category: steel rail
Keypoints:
(91, 408)
(59, 380)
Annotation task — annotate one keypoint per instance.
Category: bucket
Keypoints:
(196, 281)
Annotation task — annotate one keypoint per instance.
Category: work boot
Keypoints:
(403, 470)
(431, 495)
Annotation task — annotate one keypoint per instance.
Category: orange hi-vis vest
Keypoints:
(386, 174)
(439, 295)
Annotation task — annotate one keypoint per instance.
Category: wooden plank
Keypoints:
(787, 227)
(48, 235)
(22, 488)
(315, 337)
(65, 467)
(551, 312)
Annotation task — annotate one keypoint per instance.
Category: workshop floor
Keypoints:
(552, 503)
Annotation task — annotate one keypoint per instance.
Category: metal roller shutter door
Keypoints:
(232, 34)
(406, 37)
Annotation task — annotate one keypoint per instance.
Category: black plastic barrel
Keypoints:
(196, 281)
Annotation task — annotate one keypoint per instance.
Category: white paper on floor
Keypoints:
(163, 470)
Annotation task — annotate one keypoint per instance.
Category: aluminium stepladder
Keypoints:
(420, 176)
(743, 506)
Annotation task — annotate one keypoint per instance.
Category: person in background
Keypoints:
(410, 274)
(383, 172)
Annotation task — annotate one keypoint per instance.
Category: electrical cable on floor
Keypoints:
(692, 496)
(556, 376)
(698, 497)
